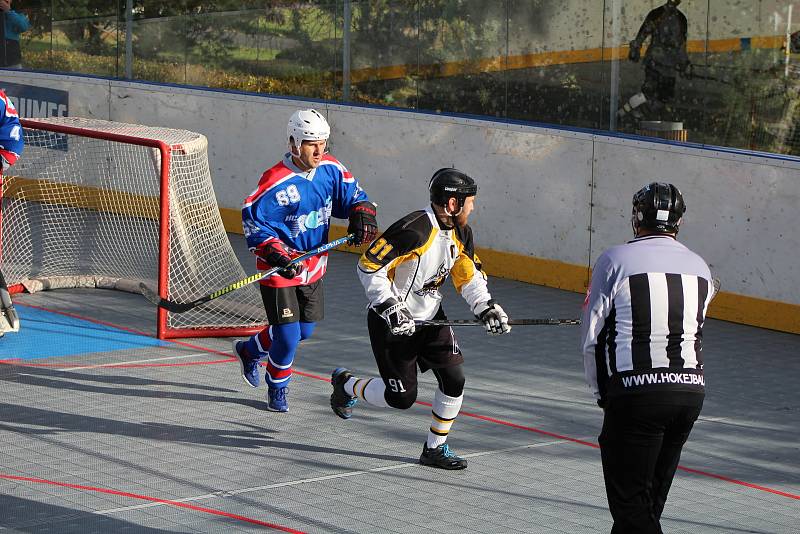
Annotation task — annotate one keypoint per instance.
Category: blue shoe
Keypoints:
(249, 365)
(276, 399)
(341, 403)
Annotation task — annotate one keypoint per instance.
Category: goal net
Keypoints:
(93, 203)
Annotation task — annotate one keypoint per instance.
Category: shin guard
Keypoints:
(444, 412)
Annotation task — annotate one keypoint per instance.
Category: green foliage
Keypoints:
(443, 55)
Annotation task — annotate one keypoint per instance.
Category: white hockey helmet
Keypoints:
(307, 125)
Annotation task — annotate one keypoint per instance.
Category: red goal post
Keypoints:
(94, 203)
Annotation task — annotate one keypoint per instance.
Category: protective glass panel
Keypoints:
(555, 72)
(383, 49)
(710, 71)
(35, 42)
(85, 37)
(463, 48)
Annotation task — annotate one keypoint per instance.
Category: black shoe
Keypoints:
(341, 403)
(441, 457)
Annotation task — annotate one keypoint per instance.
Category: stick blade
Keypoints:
(151, 295)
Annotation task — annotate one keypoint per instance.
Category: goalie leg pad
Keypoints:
(9, 320)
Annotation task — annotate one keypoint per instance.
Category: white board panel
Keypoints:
(741, 210)
(533, 184)
(535, 196)
(246, 133)
(88, 97)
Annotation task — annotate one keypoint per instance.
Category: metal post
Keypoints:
(348, 19)
(788, 41)
(3, 61)
(129, 39)
(616, 43)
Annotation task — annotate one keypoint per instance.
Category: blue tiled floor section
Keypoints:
(46, 334)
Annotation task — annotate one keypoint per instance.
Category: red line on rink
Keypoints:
(177, 504)
(467, 414)
(740, 482)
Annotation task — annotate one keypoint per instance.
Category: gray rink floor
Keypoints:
(98, 449)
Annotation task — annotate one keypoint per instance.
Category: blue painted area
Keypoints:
(745, 43)
(46, 334)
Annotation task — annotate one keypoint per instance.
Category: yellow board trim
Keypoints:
(544, 59)
(742, 309)
(81, 196)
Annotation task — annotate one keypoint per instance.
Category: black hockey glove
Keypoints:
(635, 52)
(363, 222)
(397, 316)
(493, 318)
(277, 254)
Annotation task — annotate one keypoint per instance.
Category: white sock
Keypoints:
(370, 390)
(444, 412)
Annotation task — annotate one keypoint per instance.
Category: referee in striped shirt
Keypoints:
(642, 335)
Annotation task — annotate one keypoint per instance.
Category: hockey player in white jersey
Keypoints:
(402, 272)
(643, 356)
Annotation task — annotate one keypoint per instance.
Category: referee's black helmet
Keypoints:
(659, 207)
(448, 183)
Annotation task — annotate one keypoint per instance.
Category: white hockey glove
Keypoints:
(397, 316)
(493, 317)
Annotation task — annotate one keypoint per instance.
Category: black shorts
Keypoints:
(293, 304)
(658, 86)
(430, 347)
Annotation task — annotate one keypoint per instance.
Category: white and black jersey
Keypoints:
(413, 258)
(643, 318)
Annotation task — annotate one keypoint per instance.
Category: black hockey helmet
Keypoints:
(658, 206)
(447, 183)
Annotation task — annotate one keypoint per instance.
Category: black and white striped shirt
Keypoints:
(643, 318)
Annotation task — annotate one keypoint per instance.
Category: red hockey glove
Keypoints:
(277, 254)
(363, 222)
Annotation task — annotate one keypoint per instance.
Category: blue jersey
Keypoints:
(11, 141)
(295, 207)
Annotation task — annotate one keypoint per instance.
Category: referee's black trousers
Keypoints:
(640, 445)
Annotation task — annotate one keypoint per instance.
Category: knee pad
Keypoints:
(451, 380)
(401, 401)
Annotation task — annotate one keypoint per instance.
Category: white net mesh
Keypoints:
(80, 211)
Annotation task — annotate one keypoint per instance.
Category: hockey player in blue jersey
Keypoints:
(11, 143)
(290, 211)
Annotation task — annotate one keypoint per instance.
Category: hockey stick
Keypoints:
(512, 322)
(180, 307)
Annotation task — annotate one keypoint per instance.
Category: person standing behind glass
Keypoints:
(665, 58)
(14, 24)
